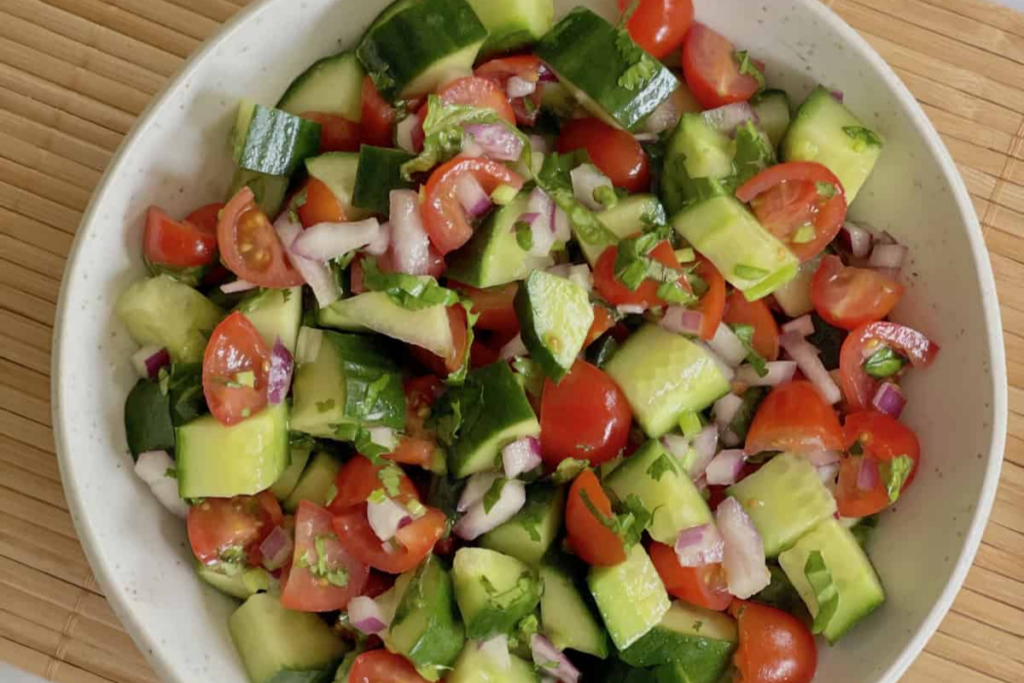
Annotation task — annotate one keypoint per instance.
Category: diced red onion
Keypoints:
(725, 410)
(499, 141)
(520, 456)
(152, 468)
(539, 211)
(410, 244)
(496, 651)
(678, 446)
(471, 195)
(514, 348)
(889, 399)
(838, 96)
(386, 518)
(700, 546)
(888, 256)
(822, 457)
(868, 478)
(560, 225)
(276, 549)
(705, 445)
(379, 245)
(520, 87)
(317, 274)
(724, 469)
(645, 137)
(148, 360)
(728, 346)
(279, 378)
(540, 203)
(476, 487)
(804, 326)
(549, 658)
(885, 238)
(779, 371)
(806, 357)
(478, 521)
(546, 75)
(366, 615)
(539, 145)
(727, 370)
(827, 474)
(858, 238)
(307, 347)
(585, 179)
(743, 558)
(728, 118)
(530, 218)
(665, 117)
(471, 149)
(237, 287)
(403, 133)
(682, 320)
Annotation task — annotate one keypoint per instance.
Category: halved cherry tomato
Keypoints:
(221, 528)
(711, 70)
(320, 583)
(585, 416)
(712, 304)
(413, 542)
(177, 244)
(702, 586)
(206, 217)
(881, 438)
(481, 355)
(739, 311)
(794, 417)
(787, 197)
(494, 306)
(775, 646)
(235, 368)
(527, 67)
(443, 216)
(381, 666)
(858, 386)
(337, 134)
(588, 537)
(614, 151)
(850, 297)
(483, 93)
(659, 26)
(603, 321)
(321, 206)
(378, 117)
(250, 247)
(358, 479)
(419, 445)
(646, 295)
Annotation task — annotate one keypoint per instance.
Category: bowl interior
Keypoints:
(178, 158)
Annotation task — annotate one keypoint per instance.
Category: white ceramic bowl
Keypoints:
(177, 157)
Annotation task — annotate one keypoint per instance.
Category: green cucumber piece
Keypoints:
(494, 591)
(566, 617)
(427, 328)
(602, 66)
(289, 479)
(532, 531)
(785, 499)
(773, 111)
(271, 141)
(338, 171)
(378, 173)
(555, 316)
(268, 190)
(630, 597)
(476, 666)
(316, 483)
(698, 164)
(426, 629)
(513, 24)
(333, 85)
(664, 374)
(749, 257)
(276, 314)
(147, 419)
(754, 152)
(241, 584)
(628, 217)
(161, 311)
(698, 640)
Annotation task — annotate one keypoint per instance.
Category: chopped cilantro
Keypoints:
(862, 137)
(884, 363)
(567, 470)
(377, 497)
(894, 474)
(756, 360)
(659, 467)
(826, 190)
(391, 476)
(171, 473)
(826, 594)
(675, 293)
(413, 292)
(629, 525)
(554, 179)
(749, 68)
(641, 66)
(804, 234)
(633, 263)
(524, 235)
(493, 494)
(324, 406)
(605, 196)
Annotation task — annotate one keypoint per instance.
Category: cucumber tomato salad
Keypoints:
(526, 350)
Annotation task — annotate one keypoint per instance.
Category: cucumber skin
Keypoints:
(542, 290)
(379, 172)
(351, 109)
(276, 142)
(440, 641)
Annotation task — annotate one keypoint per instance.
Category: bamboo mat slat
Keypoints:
(74, 74)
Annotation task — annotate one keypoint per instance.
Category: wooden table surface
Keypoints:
(74, 74)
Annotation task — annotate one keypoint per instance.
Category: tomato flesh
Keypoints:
(702, 586)
(494, 306)
(659, 26)
(739, 311)
(795, 418)
(526, 67)
(775, 646)
(337, 134)
(381, 666)
(646, 295)
(378, 117)
(358, 479)
(849, 297)
(588, 537)
(711, 70)
(615, 152)
(235, 368)
(186, 244)
(858, 386)
(419, 445)
(603, 321)
(585, 416)
(250, 247)
(221, 529)
(712, 304)
(321, 205)
(881, 439)
(412, 543)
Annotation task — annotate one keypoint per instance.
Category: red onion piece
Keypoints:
(888, 256)
(410, 245)
(889, 399)
(514, 348)
(383, 437)
(379, 245)
(471, 195)
(821, 458)
(560, 225)
(549, 658)
(326, 241)
(585, 179)
(403, 133)
(148, 360)
(699, 546)
(279, 378)
(725, 410)
(806, 357)
(838, 96)
(316, 274)
(665, 117)
(725, 468)
(857, 239)
(520, 456)
(743, 558)
(498, 140)
(530, 218)
(496, 651)
(476, 487)
(152, 467)
(728, 346)
(520, 87)
(276, 549)
(237, 287)
(804, 326)
(867, 477)
(386, 518)
(539, 146)
(478, 521)
(730, 117)
(682, 320)
(678, 446)
(779, 371)
(705, 445)
(366, 615)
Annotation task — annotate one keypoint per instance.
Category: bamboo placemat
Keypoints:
(74, 74)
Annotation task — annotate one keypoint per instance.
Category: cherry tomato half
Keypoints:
(235, 368)
(849, 297)
(712, 303)
(646, 295)
(494, 306)
(337, 134)
(528, 68)
(321, 205)
(858, 386)
(250, 247)
(659, 26)
(220, 528)
(183, 244)
(711, 70)
(378, 117)
(459, 324)
(702, 586)
(412, 543)
(739, 311)
(614, 151)
(775, 646)
(588, 537)
(418, 446)
(794, 417)
(381, 666)
(881, 438)
(358, 479)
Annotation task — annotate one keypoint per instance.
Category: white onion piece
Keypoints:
(514, 348)
(317, 274)
(479, 521)
(276, 549)
(743, 558)
(728, 346)
(384, 437)
(279, 377)
(520, 87)
(682, 320)
(678, 446)
(549, 658)
(539, 202)
(307, 348)
(539, 145)
(705, 445)
(630, 309)
(724, 469)
(699, 546)
(476, 487)
(580, 275)
(779, 371)
(409, 242)
(822, 457)
(166, 491)
(585, 179)
(645, 137)
(665, 117)
(520, 456)
(403, 133)
(148, 360)
(560, 225)
(859, 239)
(238, 286)
(498, 140)
(152, 468)
(804, 326)
(471, 195)
(827, 474)
(326, 241)
(366, 615)
(728, 118)
(379, 244)
(386, 518)
(888, 256)
(727, 370)
(496, 651)
(806, 357)
(725, 410)
(889, 400)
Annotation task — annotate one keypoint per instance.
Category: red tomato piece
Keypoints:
(358, 479)
(413, 542)
(527, 67)
(337, 134)
(659, 26)
(381, 666)
(646, 295)
(419, 445)
(585, 416)
(794, 417)
(588, 537)
(206, 217)
(614, 151)
(603, 321)
(321, 205)
(702, 586)
(235, 368)
(443, 217)
(250, 247)
(219, 529)
(177, 244)
(482, 93)
(858, 386)
(712, 304)
(881, 439)
(786, 198)
(711, 70)
(739, 311)
(460, 337)
(378, 117)
(494, 306)
(775, 646)
(850, 297)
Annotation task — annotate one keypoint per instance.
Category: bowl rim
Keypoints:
(103, 570)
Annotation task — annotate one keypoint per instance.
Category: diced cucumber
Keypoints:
(160, 311)
(289, 479)
(512, 24)
(794, 297)
(215, 461)
(555, 315)
(426, 629)
(493, 256)
(316, 483)
(529, 534)
(824, 130)
(276, 643)
(698, 164)
(628, 217)
(699, 640)
(754, 152)
(566, 617)
(242, 584)
(494, 591)
(428, 328)
(379, 172)
(338, 171)
(630, 597)
(333, 85)
(147, 419)
(664, 488)
(663, 374)
(269, 190)
(610, 75)
(772, 108)
(476, 666)
(859, 588)
(272, 141)
(749, 257)
(414, 49)
(276, 314)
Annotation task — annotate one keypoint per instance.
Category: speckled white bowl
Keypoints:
(177, 157)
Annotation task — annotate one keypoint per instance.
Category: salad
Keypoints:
(527, 351)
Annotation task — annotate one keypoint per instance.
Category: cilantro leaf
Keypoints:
(749, 68)
(826, 595)
(659, 467)
(554, 179)
(567, 470)
(413, 292)
(362, 440)
(391, 477)
(863, 137)
(633, 263)
(524, 235)
(826, 190)
(628, 525)
(641, 66)
(756, 360)
(884, 363)
(894, 474)
(493, 494)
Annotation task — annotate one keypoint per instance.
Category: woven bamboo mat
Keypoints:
(74, 74)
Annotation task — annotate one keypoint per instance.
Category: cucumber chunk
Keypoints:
(161, 311)
(333, 85)
(316, 483)
(567, 619)
(338, 171)
(378, 173)
(289, 479)
(268, 190)
(494, 591)
(147, 419)
(663, 374)
(628, 217)
(529, 534)
(276, 314)
(630, 597)
(426, 629)
(785, 499)
(555, 315)
(428, 328)
(512, 24)
(772, 108)
(699, 641)
(272, 141)
(698, 164)
(242, 584)
(475, 666)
